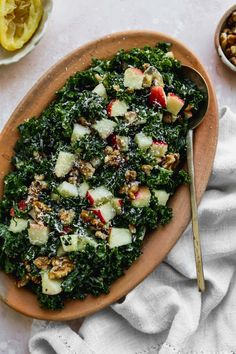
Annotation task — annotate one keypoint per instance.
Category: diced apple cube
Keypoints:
(170, 55)
(60, 251)
(117, 204)
(67, 190)
(174, 103)
(188, 111)
(188, 115)
(83, 241)
(143, 141)
(98, 195)
(38, 234)
(69, 242)
(64, 163)
(152, 75)
(100, 90)
(142, 197)
(157, 96)
(159, 148)
(83, 189)
(162, 196)
(96, 161)
(123, 142)
(78, 132)
(117, 108)
(55, 197)
(133, 78)
(105, 212)
(119, 237)
(104, 127)
(17, 225)
(50, 286)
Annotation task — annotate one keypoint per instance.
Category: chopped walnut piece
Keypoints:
(98, 77)
(85, 216)
(66, 216)
(124, 189)
(84, 122)
(35, 279)
(132, 229)
(108, 150)
(129, 90)
(34, 190)
(133, 190)
(147, 169)
(131, 117)
(130, 175)
(98, 225)
(170, 161)
(39, 177)
(42, 262)
(23, 282)
(146, 65)
(37, 156)
(130, 189)
(74, 176)
(86, 169)
(41, 207)
(101, 235)
(61, 267)
(38, 210)
(88, 217)
(169, 118)
(116, 88)
(113, 157)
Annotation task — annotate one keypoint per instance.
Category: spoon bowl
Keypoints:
(200, 82)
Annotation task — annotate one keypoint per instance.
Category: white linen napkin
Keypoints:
(166, 314)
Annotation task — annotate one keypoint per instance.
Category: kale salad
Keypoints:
(94, 173)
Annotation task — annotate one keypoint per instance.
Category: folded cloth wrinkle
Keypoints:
(166, 314)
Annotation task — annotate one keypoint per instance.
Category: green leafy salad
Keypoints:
(94, 172)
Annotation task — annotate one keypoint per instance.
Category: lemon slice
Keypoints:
(19, 19)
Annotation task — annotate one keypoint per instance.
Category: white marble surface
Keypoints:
(74, 22)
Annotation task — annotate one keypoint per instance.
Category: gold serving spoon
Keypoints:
(197, 118)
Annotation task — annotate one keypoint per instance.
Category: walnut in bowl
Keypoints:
(225, 38)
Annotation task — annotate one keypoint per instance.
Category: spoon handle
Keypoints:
(195, 227)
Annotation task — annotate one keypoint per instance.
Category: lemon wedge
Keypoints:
(19, 19)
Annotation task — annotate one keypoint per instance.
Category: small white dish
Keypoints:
(219, 29)
(7, 57)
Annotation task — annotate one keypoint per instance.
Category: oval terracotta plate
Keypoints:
(159, 243)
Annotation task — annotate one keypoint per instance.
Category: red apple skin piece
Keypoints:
(90, 198)
(158, 96)
(137, 71)
(159, 142)
(117, 204)
(12, 212)
(109, 107)
(112, 140)
(22, 205)
(115, 102)
(121, 202)
(99, 215)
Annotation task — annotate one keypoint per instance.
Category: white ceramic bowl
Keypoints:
(219, 29)
(7, 57)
